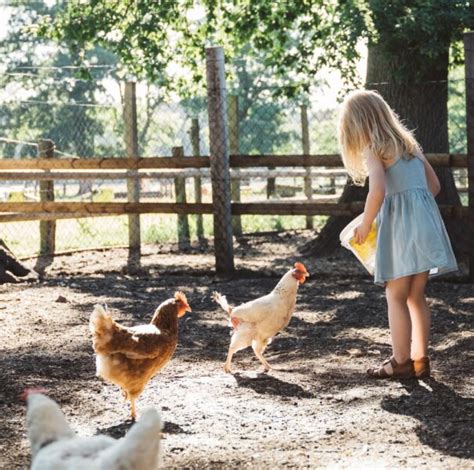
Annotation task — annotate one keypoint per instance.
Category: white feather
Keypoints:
(150, 329)
(222, 301)
(56, 447)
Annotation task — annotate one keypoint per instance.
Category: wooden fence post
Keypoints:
(469, 77)
(219, 155)
(195, 143)
(180, 194)
(133, 184)
(47, 227)
(308, 191)
(234, 150)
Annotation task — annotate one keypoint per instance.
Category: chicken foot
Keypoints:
(227, 365)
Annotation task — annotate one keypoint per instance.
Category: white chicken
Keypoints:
(55, 446)
(257, 321)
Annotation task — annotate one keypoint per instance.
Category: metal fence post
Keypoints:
(469, 74)
(308, 191)
(234, 150)
(47, 227)
(195, 143)
(133, 184)
(219, 155)
(180, 194)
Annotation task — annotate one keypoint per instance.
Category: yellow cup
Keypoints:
(364, 252)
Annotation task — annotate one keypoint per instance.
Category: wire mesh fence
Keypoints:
(91, 123)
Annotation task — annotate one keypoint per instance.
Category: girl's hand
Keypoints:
(360, 233)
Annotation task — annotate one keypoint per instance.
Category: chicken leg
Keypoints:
(241, 339)
(227, 365)
(134, 410)
(258, 348)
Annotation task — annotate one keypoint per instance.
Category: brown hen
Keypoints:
(130, 356)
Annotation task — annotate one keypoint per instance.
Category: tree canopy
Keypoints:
(43, 93)
(295, 40)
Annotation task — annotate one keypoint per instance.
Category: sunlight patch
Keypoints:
(349, 295)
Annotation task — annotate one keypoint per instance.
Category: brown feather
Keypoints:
(131, 358)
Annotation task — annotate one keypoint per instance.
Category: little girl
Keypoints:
(412, 243)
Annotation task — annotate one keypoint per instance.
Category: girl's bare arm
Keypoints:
(374, 198)
(431, 178)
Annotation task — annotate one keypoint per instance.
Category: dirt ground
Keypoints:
(316, 409)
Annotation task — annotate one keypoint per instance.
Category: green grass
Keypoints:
(23, 237)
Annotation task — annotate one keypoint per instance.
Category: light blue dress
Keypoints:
(411, 235)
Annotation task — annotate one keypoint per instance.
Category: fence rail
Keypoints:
(100, 168)
(38, 175)
(295, 207)
(236, 161)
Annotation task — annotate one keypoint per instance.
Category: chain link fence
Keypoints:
(261, 124)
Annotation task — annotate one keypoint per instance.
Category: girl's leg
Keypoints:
(397, 292)
(420, 316)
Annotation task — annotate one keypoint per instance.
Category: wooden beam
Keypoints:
(184, 238)
(46, 187)
(118, 163)
(234, 148)
(318, 206)
(38, 216)
(321, 208)
(236, 161)
(457, 160)
(302, 207)
(219, 159)
(119, 208)
(75, 175)
(308, 190)
(196, 146)
(469, 77)
(133, 183)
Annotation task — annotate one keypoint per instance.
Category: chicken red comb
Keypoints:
(300, 267)
(31, 391)
(178, 295)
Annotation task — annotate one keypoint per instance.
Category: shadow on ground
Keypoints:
(446, 418)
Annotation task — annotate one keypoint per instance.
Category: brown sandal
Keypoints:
(422, 367)
(400, 371)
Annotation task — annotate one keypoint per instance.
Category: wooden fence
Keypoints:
(50, 169)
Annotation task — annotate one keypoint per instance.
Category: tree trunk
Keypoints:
(422, 103)
(10, 267)
(422, 106)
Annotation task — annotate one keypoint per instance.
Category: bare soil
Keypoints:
(316, 409)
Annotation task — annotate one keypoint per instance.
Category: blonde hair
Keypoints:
(367, 123)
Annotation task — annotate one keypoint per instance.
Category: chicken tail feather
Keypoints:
(222, 301)
(100, 321)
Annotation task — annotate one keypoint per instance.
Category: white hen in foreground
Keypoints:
(257, 321)
(55, 446)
